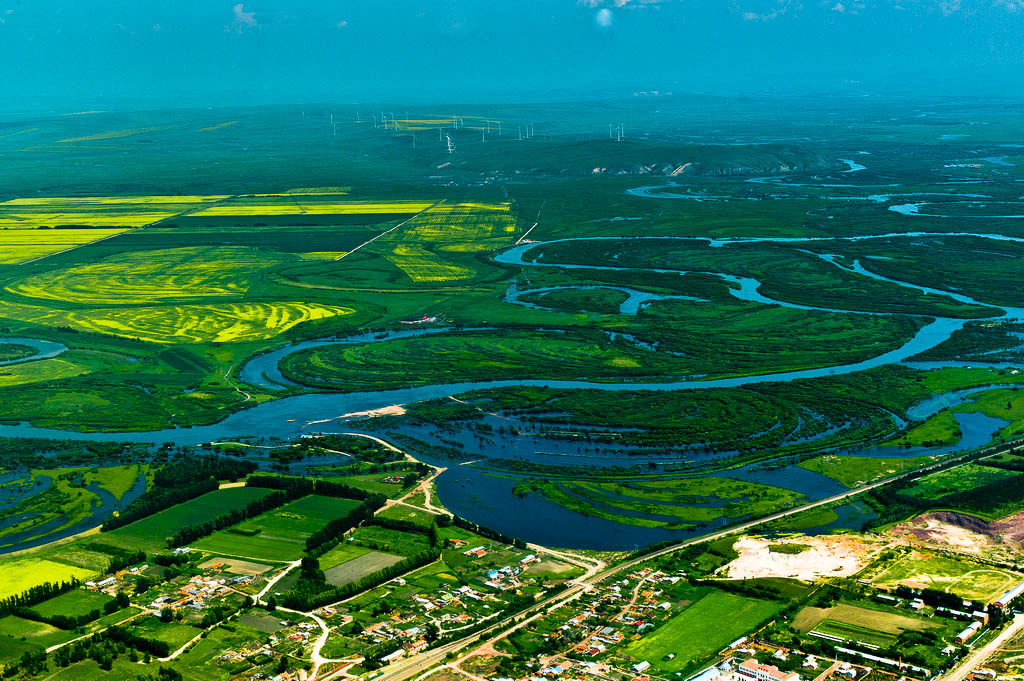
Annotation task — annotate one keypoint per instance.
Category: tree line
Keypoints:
(254, 508)
(180, 481)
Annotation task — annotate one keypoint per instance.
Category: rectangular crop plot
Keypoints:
(21, 245)
(279, 534)
(857, 623)
(357, 568)
(302, 209)
(852, 632)
(151, 533)
(702, 629)
(95, 211)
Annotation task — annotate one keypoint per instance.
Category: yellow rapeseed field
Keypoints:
(22, 245)
(221, 322)
(151, 276)
(423, 266)
(254, 207)
(95, 211)
(460, 222)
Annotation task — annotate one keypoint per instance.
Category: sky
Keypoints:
(195, 52)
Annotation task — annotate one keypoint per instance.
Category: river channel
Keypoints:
(483, 496)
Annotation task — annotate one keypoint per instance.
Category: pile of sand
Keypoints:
(828, 556)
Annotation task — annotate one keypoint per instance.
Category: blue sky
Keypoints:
(214, 51)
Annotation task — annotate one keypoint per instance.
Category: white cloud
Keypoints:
(603, 18)
(342, 24)
(1011, 6)
(242, 20)
(769, 11)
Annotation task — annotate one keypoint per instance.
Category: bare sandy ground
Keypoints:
(967, 534)
(828, 556)
(393, 410)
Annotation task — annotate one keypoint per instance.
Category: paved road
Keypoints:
(978, 657)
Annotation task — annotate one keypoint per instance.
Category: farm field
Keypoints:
(356, 568)
(687, 635)
(22, 245)
(75, 602)
(389, 541)
(22, 574)
(851, 622)
(151, 533)
(279, 534)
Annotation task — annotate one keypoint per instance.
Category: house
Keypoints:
(641, 667)
(391, 657)
(709, 674)
(1008, 597)
(980, 616)
(752, 669)
(968, 633)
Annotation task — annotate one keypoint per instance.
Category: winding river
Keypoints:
(486, 498)
(45, 349)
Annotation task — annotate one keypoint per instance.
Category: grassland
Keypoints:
(21, 574)
(852, 471)
(692, 640)
(52, 369)
(151, 533)
(667, 502)
(76, 602)
(958, 575)
(279, 534)
(941, 429)
(943, 483)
